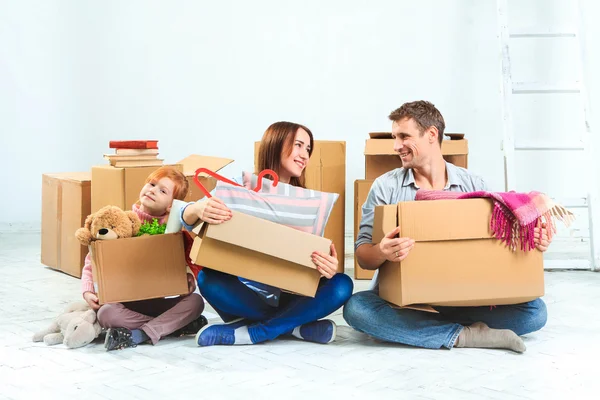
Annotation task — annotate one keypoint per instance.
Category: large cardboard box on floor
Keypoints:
(65, 205)
(121, 186)
(139, 268)
(260, 250)
(380, 156)
(326, 172)
(455, 260)
(361, 191)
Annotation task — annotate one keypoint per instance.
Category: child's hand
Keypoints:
(213, 211)
(191, 283)
(92, 300)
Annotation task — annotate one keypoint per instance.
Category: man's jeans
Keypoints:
(232, 299)
(367, 312)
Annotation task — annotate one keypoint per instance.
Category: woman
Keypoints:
(255, 312)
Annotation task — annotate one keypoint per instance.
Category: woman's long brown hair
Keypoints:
(278, 139)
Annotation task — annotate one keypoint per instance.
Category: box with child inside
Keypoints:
(67, 198)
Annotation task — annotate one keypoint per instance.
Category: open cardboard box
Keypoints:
(65, 205)
(139, 268)
(121, 186)
(455, 261)
(380, 156)
(260, 250)
(326, 172)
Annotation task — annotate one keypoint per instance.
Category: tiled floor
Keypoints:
(561, 361)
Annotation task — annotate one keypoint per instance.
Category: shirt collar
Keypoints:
(453, 179)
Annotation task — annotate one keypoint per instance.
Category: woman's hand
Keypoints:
(92, 300)
(213, 211)
(191, 283)
(327, 264)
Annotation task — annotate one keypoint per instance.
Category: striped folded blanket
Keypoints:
(303, 209)
(515, 215)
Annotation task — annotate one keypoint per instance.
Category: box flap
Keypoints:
(387, 135)
(83, 177)
(417, 307)
(385, 146)
(384, 221)
(435, 220)
(375, 147)
(380, 135)
(455, 147)
(192, 162)
(269, 238)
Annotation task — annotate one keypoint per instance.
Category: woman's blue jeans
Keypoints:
(232, 299)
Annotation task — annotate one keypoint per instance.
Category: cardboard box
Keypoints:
(65, 205)
(260, 250)
(326, 172)
(381, 158)
(455, 261)
(139, 268)
(121, 186)
(361, 191)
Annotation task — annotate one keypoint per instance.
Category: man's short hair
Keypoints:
(423, 113)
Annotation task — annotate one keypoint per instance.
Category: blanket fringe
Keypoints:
(509, 231)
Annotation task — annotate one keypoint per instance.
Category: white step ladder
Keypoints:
(513, 142)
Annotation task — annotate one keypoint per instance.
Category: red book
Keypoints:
(133, 144)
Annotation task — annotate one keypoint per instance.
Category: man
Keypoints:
(417, 129)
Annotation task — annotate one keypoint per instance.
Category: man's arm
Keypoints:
(371, 255)
(391, 248)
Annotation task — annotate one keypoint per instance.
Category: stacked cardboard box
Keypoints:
(381, 158)
(65, 205)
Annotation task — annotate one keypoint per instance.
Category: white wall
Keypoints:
(209, 77)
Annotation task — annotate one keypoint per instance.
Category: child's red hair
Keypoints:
(181, 184)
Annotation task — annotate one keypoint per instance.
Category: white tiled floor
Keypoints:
(561, 360)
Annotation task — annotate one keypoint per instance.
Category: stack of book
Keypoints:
(134, 153)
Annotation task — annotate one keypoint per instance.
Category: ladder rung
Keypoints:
(584, 264)
(542, 33)
(541, 87)
(572, 202)
(550, 146)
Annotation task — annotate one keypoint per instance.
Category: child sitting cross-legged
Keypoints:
(132, 323)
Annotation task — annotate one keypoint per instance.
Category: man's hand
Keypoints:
(395, 249)
(191, 283)
(541, 238)
(92, 300)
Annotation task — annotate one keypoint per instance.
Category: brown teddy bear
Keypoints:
(110, 222)
(76, 327)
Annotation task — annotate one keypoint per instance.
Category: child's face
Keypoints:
(156, 196)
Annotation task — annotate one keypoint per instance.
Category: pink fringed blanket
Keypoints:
(515, 215)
